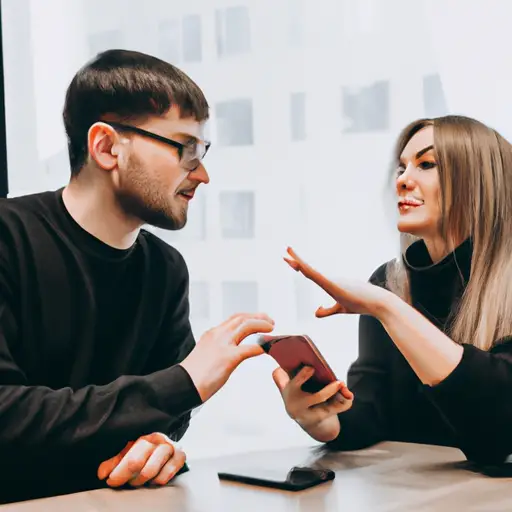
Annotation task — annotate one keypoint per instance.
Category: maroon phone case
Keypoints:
(296, 351)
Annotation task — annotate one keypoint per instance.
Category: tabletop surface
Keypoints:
(387, 477)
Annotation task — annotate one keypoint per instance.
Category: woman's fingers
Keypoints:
(322, 312)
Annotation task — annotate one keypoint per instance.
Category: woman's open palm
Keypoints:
(351, 296)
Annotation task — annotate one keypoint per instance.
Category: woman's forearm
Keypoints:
(431, 354)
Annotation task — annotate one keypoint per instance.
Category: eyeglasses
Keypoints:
(190, 155)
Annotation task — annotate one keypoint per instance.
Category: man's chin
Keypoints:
(167, 222)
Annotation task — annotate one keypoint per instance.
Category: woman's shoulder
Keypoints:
(380, 274)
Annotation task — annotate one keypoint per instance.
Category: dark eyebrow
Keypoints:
(419, 154)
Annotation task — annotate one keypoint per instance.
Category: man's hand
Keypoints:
(218, 352)
(317, 413)
(152, 458)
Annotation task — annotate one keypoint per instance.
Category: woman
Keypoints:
(435, 332)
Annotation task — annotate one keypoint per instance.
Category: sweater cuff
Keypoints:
(464, 381)
(176, 390)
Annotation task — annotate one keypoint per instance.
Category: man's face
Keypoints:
(152, 183)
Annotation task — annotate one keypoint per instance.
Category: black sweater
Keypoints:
(471, 409)
(90, 338)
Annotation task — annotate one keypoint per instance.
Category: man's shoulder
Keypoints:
(161, 250)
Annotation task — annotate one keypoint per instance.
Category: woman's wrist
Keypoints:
(325, 431)
(386, 305)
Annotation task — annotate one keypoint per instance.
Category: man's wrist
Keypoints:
(195, 374)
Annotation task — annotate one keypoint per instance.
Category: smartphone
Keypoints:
(295, 479)
(293, 352)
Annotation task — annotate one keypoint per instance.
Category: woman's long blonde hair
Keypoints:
(475, 174)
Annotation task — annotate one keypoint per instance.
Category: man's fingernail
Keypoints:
(340, 398)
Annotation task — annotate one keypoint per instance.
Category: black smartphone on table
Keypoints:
(295, 479)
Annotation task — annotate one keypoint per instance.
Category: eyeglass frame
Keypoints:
(160, 138)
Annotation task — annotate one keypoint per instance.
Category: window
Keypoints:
(234, 123)
(298, 115)
(239, 297)
(107, 40)
(169, 41)
(199, 301)
(366, 109)
(233, 31)
(237, 214)
(192, 41)
(434, 100)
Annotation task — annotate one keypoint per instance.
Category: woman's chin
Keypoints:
(410, 227)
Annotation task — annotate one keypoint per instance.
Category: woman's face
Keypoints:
(418, 188)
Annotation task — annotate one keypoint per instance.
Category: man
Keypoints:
(98, 365)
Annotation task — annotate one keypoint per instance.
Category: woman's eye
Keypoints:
(400, 170)
(427, 165)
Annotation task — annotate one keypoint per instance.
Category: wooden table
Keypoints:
(387, 477)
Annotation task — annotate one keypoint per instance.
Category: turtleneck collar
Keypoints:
(436, 287)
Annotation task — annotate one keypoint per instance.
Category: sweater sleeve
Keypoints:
(475, 400)
(44, 420)
(366, 422)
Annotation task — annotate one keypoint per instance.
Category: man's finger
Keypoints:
(171, 468)
(248, 351)
(132, 463)
(236, 320)
(252, 326)
(281, 378)
(106, 467)
(155, 463)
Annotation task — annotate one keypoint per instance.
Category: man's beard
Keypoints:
(140, 196)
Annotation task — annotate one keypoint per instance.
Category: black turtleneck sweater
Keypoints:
(90, 341)
(471, 409)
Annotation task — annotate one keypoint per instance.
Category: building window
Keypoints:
(233, 31)
(298, 115)
(107, 40)
(169, 40)
(237, 214)
(366, 109)
(234, 122)
(239, 297)
(192, 40)
(199, 300)
(434, 100)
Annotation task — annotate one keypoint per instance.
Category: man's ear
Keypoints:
(103, 145)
